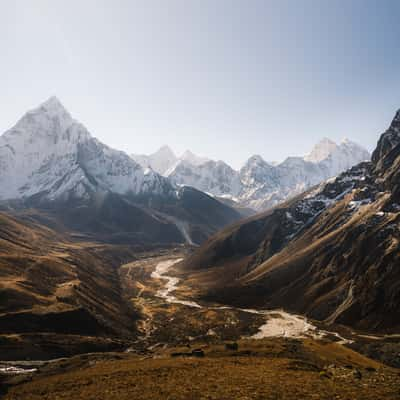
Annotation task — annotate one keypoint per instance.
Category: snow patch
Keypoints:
(11, 370)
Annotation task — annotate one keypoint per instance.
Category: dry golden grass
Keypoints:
(51, 285)
(267, 369)
(221, 378)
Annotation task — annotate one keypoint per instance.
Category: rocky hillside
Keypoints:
(331, 253)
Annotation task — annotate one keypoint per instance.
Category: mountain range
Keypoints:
(258, 185)
(50, 161)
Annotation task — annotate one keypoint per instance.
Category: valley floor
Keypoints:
(170, 314)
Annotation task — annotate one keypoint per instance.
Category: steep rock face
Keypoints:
(386, 160)
(387, 142)
(260, 183)
(331, 253)
(386, 164)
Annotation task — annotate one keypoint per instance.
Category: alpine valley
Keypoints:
(164, 277)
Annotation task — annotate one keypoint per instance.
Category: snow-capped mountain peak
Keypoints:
(54, 105)
(49, 119)
(254, 161)
(164, 160)
(328, 149)
(165, 151)
(321, 150)
(160, 161)
(49, 155)
(193, 158)
(346, 140)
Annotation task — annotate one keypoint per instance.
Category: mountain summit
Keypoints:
(164, 160)
(382, 157)
(321, 150)
(160, 161)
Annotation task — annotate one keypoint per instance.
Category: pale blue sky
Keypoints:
(226, 79)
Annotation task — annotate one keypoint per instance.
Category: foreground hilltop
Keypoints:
(332, 253)
(268, 369)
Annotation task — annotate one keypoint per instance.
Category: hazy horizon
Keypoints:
(225, 80)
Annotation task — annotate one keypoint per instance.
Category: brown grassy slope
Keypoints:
(339, 272)
(239, 243)
(269, 369)
(51, 284)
